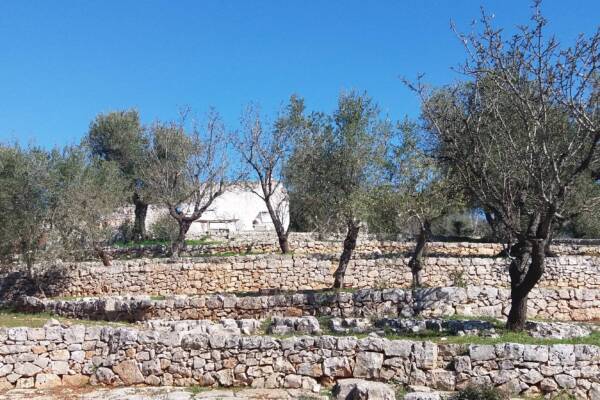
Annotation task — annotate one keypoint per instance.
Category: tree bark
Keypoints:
(523, 278)
(282, 234)
(179, 242)
(139, 225)
(349, 246)
(416, 261)
(103, 256)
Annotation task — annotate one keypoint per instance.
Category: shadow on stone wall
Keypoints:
(16, 284)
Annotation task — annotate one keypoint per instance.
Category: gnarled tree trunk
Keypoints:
(349, 246)
(526, 269)
(416, 260)
(139, 225)
(179, 242)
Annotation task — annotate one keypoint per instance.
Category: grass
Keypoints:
(504, 336)
(12, 319)
(203, 241)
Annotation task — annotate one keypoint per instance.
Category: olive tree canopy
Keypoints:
(118, 136)
(518, 133)
(335, 167)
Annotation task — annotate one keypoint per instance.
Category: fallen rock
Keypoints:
(358, 389)
(285, 325)
(556, 330)
(422, 396)
(351, 325)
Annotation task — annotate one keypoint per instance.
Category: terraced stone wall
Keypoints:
(555, 304)
(306, 243)
(289, 273)
(78, 355)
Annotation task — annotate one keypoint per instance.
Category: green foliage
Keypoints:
(462, 224)
(27, 200)
(336, 165)
(563, 395)
(89, 192)
(57, 203)
(417, 192)
(484, 392)
(584, 203)
(164, 228)
(124, 233)
(118, 136)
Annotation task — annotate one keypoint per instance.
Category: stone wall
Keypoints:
(307, 243)
(555, 304)
(77, 355)
(286, 273)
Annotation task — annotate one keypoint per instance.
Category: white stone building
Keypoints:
(237, 210)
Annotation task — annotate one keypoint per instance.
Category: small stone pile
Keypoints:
(287, 325)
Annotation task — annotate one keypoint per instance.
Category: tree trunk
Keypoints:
(416, 261)
(139, 225)
(104, 256)
(349, 246)
(34, 278)
(179, 242)
(282, 234)
(523, 278)
(284, 245)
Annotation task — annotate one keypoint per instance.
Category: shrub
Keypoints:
(165, 228)
(124, 232)
(483, 392)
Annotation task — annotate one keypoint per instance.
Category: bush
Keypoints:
(483, 392)
(124, 232)
(165, 228)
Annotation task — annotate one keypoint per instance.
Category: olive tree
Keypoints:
(265, 150)
(118, 136)
(55, 204)
(186, 170)
(26, 204)
(518, 133)
(420, 191)
(88, 192)
(583, 218)
(335, 168)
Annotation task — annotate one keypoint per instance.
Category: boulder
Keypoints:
(129, 372)
(358, 389)
(285, 325)
(368, 364)
(45, 381)
(556, 330)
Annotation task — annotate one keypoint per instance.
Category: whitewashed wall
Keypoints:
(240, 204)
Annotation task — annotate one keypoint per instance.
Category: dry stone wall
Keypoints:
(57, 355)
(306, 243)
(555, 304)
(288, 273)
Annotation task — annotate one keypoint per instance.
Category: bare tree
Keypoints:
(518, 134)
(187, 170)
(265, 149)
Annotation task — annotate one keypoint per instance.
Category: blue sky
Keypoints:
(62, 62)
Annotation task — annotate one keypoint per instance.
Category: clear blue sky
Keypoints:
(62, 62)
